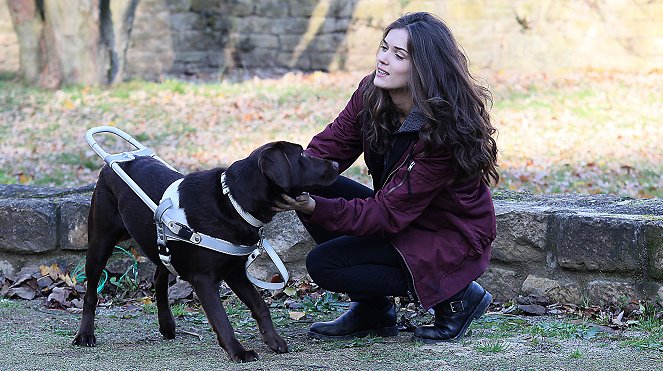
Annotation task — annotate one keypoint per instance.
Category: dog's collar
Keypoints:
(245, 215)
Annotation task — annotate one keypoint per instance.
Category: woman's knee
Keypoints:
(315, 263)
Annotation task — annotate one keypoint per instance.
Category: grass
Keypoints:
(491, 346)
(651, 336)
(580, 133)
(576, 354)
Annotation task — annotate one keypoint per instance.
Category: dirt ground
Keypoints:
(37, 338)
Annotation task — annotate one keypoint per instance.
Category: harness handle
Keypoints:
(113, 160)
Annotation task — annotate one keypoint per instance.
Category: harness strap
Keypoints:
(245, 215)
(277, 262)
(172, 226)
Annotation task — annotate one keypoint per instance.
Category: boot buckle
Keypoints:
(457, 306)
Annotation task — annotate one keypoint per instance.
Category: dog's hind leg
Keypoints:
(208, 293)
(166, 320)
(247, 293)
(105, 229)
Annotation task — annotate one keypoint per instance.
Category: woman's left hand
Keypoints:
(302, 203)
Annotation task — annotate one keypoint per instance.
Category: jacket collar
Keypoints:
(413, 122)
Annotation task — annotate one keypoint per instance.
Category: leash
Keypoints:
(171, 220)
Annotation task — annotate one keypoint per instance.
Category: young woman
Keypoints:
(425, 230)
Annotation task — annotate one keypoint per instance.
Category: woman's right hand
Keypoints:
(303, 203)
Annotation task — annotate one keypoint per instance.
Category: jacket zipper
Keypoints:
(407, 176)
(412, 296)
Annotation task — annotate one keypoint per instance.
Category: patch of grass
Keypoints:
(563, 330)
(179, 310)
(652, 333)
(496, 326)
(581, 133)
(576, 354)
(69, 333)
(7, 303)
(150, 308)
(653, 341)
(491, 346)
(326, 303)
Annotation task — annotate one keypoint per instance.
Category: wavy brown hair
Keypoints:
(442, 87)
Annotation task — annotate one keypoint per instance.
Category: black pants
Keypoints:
(367, 269)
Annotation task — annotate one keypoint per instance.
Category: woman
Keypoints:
(426, 228)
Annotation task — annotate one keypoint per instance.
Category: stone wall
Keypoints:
(207, 38)
(553, 248)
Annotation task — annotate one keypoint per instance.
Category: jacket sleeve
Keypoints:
(404, 198)
(341, 141)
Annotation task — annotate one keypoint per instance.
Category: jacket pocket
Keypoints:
(406, 179)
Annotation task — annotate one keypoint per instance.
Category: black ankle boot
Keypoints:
(361, 319)
(454, 315)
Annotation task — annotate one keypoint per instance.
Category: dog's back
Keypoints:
(113, 197)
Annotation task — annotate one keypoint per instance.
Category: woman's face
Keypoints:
(393, 61)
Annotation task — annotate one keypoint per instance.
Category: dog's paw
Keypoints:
(85, 340)
(167, 326)
(245, 356)
(277, 344)
(168, 332)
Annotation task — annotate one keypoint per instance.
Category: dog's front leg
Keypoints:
(248, 294)
(208, 293)
(166, 320)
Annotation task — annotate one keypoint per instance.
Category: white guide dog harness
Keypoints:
(170, 219)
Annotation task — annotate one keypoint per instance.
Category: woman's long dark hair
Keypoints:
(447, 94)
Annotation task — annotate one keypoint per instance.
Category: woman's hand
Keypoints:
(303, 203)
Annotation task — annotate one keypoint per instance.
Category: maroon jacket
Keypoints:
(443, 231)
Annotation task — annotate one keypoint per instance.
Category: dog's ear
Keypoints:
(274, 163)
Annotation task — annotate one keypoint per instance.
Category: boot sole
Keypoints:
(381, 332)
(476, 314)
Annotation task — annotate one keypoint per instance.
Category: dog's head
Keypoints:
(287, 166)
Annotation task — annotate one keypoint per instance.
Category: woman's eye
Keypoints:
(399, 57)
(383, 47)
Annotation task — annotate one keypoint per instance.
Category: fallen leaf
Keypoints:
(296, 316)
(27, 293)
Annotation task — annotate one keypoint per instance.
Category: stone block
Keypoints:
(271, 8)
(292, 25)
(288, 43)
(73, 223)
(601, 292)
(204, 5)
(183, 21)
(334, 25)
(597, 243)
(28, 225)
(259, 58)
(6, 268)
(502, 283)
(302, 8)
(551, 290)
(521, 236)
(264, 40)
(653, 240)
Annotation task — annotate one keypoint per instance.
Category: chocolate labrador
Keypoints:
(117, 213)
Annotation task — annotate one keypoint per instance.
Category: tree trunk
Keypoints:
(74, 41)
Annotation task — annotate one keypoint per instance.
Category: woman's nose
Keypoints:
(382, 58)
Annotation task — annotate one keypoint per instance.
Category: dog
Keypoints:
(117, 214)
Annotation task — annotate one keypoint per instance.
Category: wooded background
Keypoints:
(103, 41)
